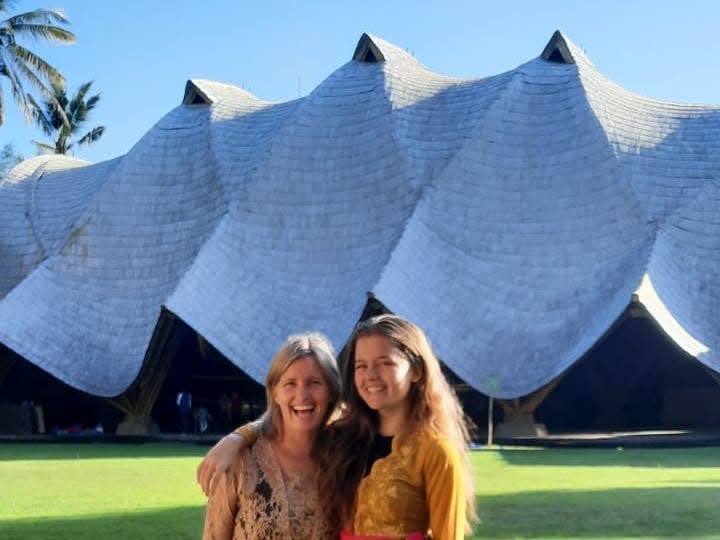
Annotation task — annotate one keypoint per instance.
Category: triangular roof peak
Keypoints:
(194, 95)
(557, 49)
(367, 50)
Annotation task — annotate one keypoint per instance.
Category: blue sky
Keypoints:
(140, 53)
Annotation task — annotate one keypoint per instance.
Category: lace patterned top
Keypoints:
(264, 502)
(418, 487)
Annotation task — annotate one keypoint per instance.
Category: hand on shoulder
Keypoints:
(220, 460)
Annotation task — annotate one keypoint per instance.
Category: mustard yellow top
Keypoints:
(419, 487)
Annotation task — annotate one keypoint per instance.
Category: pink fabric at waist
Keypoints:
(345, 535)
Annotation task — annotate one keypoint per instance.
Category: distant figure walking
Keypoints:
(203, 418)
(184, 403)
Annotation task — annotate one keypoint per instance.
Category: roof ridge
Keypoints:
(560, 49)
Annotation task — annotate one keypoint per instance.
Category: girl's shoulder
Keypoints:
(431, 444)
(425, 436)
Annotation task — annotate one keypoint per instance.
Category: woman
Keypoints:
(395, 463)
(272, 491)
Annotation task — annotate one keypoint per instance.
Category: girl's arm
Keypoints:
(445, 490)
(221, 459)
(221, 510)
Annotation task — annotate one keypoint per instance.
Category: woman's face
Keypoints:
(303, 396)
(383, 375)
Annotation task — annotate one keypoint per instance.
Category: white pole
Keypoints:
(490, 422)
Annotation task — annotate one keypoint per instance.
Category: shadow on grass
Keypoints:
(634, 457)
(93, 450)
(175, 523)
(682, 512)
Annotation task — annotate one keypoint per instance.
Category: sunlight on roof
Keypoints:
(649, 298)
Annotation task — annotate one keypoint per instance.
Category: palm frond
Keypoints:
(57, 108)
(80, 114)
(16, 86)
(79, 108)
(92, 136)
(58, 84)
(78, 100)
(9, 155)
(74, 114)
(40, 15)
(47, 32)
(44, 148)
(22, 67)
(27, 72)
(82, 91)
(41, 117)
(92, 102)
(33, 61)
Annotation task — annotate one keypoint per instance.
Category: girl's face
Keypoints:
(303, 395)
(383, 375)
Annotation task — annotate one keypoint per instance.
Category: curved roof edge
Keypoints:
(649, 298)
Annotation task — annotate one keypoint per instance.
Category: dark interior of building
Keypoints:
(212, 380)
(63, 406)
(635, 378)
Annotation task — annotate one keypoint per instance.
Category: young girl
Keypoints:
(395, 464)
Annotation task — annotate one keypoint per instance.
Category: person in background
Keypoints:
(271, 492)
(184, 403)
(202, 419)
(394, 465)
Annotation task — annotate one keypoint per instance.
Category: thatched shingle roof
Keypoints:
(513, 217)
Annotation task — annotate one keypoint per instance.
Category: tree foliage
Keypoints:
(21, 68)
(61, 118)
(8, 159)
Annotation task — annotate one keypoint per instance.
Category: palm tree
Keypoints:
(9, 157)
(61, 118)
(21, 66)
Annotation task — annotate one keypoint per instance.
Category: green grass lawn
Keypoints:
(608, 494)
(148, 491)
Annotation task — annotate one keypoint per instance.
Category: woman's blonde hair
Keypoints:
(295, 347)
